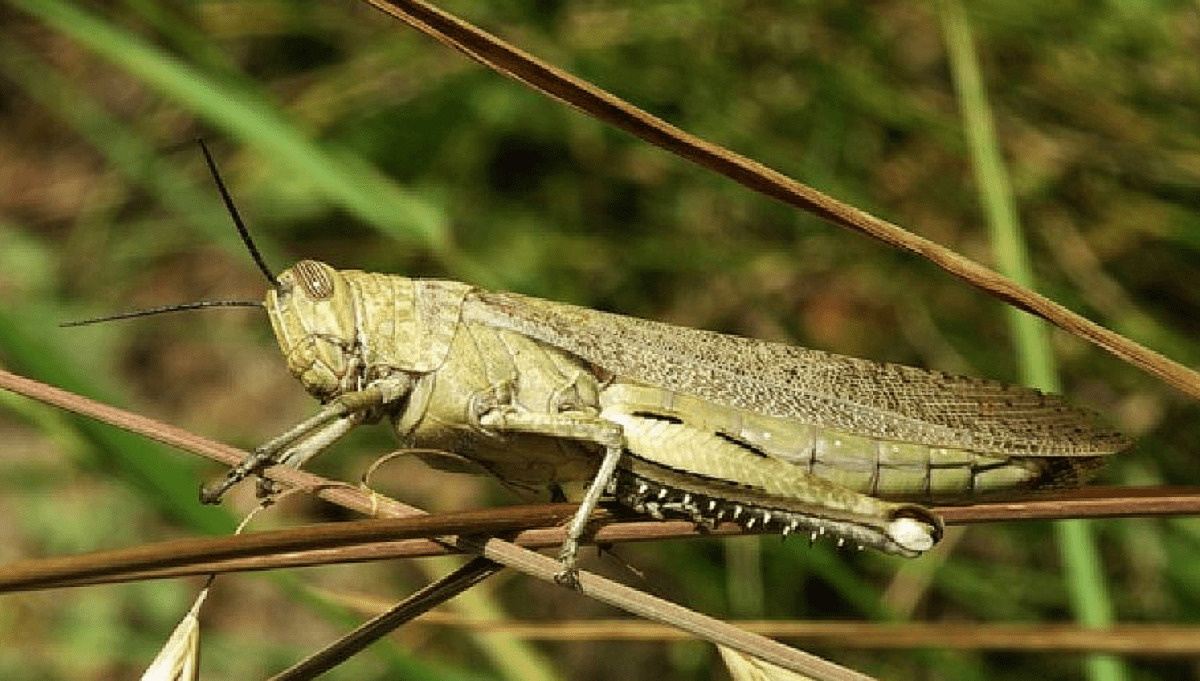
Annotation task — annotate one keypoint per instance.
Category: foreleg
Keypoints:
(315, 434)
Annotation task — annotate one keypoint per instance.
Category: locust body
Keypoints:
(555, 399)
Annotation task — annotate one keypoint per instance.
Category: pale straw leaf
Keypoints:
(742, 667)
(179, 659)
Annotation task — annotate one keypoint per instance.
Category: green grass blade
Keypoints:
(245, 115)
(126, 149)
(1089, 593)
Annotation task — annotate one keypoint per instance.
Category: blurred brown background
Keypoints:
(346, 137)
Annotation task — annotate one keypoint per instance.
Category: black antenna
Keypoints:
(245, 234)
(237, 219)
(164, 309)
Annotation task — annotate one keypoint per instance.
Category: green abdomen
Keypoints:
(873, 466)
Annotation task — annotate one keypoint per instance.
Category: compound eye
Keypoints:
(315, 279)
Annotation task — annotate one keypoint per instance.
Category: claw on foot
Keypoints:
(568, 576)
(267, 488)
(210, 495)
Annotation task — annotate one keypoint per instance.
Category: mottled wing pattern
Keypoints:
(846, 394)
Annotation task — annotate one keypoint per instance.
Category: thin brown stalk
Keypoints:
(1146, 640)
(539, 527)
(467, 576)
(254, 551)
(557, 84)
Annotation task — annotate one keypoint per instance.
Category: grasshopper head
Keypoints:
(312, 313)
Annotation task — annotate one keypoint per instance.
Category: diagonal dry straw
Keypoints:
(553, 82)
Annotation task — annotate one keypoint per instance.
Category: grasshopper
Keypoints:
(566, 402)
(669, 421)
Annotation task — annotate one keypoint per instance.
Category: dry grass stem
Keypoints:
(1125, 639)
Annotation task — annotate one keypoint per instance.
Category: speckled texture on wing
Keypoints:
(846, 394)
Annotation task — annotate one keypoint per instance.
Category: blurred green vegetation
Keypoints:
(347, 137)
